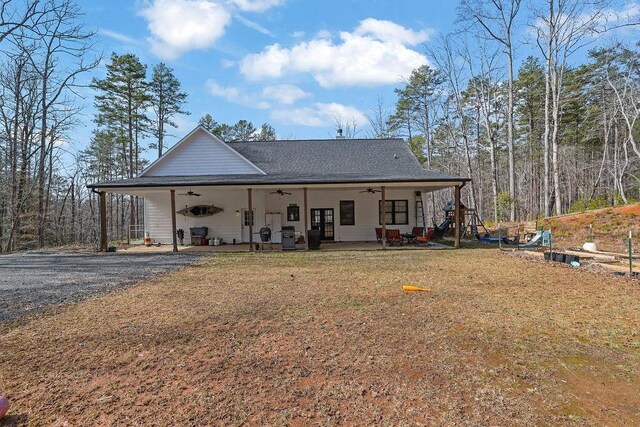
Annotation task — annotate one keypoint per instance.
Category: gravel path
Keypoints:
(32, 281)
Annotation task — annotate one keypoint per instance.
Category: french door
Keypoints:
(323, 220)
(247, 219)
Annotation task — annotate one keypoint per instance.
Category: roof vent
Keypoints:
(339, 134)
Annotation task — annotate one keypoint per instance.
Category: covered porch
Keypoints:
(347, 214)
(275, 247)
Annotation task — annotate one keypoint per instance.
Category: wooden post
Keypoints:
(251, 219)
(306, 219)
(457, 216)
(103, 222)
(383, 216)
(173, 221)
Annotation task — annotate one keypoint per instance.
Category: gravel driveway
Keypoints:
(32, 281)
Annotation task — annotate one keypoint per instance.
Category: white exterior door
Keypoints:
(274, 222)
(246, 221)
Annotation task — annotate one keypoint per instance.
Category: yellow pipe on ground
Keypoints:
(415, 288)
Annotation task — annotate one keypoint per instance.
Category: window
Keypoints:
(396, 212)
(293, 213)
(347, 212)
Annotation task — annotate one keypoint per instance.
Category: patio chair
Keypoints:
(424, 240)
(417, 231)
(394, 237)
(379, 234)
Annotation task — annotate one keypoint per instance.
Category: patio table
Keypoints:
(410, 237)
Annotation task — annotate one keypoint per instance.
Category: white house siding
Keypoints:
(201, 154)
(228, 225)
(224, 224)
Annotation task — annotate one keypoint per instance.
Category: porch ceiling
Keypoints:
(426, 187)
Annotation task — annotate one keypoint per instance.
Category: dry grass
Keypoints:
(610, 227)
(330, 338)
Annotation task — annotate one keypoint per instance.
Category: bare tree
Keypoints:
(448, 59)
(347, 125)
(13, 17)
(496, 19)
(562, 28)
(61, 41)
(379, 120)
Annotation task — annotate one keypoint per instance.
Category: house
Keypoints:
(335, 185)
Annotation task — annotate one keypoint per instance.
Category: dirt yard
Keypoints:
(330, 338)
(610, 228)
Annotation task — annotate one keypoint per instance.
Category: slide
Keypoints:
(442, 228)
(534, 241)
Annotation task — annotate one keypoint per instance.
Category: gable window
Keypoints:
(347, 212)
(396, 212)
(293, 213)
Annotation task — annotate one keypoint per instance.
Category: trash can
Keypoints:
(288, 238)
(313, 236)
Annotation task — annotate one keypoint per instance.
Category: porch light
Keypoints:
(237, 212)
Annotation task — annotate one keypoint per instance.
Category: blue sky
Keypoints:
(292, 63)
(295, 64)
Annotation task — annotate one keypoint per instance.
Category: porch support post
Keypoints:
(306, 219)
(457, 216)
(173, 220)
(382, 212)
(251, 219)
(103, 222)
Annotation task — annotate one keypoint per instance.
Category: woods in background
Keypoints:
(551, 137)
(531, 99)
(45, 51)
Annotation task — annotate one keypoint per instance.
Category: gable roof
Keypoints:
(201, 152)
(321, 161)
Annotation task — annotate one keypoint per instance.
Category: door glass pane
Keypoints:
(248, 218)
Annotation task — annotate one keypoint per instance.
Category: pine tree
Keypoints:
(244, 130)
(166, 100)
(123, 99)
(208, 123)
(122, 103)
(267, 133)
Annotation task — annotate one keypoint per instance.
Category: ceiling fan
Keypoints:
(190, 193)
(371, 191)
(280, 192)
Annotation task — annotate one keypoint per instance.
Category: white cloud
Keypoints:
(284, 93)
(227, 63)
(254, 25)
(319, 114)
(375, 53)
(391, 32)
(324, 34)
(178, 26)
(123, 38)
(255, 5)
(236, 95)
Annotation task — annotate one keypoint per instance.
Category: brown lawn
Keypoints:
(610, 228)
(330, 338)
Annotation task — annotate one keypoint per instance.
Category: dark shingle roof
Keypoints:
(311, 162)
(382, 157)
